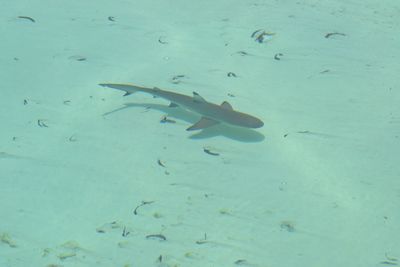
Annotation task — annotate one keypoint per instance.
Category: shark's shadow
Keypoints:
(235, 133)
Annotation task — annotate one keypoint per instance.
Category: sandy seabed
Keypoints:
(91, 178)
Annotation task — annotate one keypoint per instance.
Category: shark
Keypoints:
(211, 114)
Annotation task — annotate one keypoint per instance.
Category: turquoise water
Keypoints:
(91, 178)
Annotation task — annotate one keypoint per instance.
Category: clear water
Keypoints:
(91, 178)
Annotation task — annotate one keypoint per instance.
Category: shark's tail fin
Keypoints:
(127, 88)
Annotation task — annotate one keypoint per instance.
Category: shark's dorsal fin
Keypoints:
(202, 124)
(197, 98)
(226, 105)
(173, 105)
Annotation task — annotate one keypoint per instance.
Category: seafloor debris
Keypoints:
(243, 262)
(160, 163)
(192, 255)
(125, 232)
(27, 18)
(390, 260)
(5, 238)
(165, 119)
(334, 33)
(278, 56)
(78, 58)
(41, 123)
(262, 36)
(140, 205)
(162, 40)
(156, 236)
(203, 240)
(242, 53)
(115, 225)
(65, 255)
(72, 138)
(177, 78)
(69, 249)
(288, 226)
(210, 151)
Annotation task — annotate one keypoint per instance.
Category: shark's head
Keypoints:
(251, 122)
(243, 120)
(257, 123)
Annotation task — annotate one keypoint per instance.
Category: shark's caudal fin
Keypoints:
(128, 89)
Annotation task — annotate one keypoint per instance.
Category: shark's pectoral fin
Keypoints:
(173, 105)
(202, 124)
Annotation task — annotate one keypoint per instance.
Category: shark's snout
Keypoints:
(257, 123)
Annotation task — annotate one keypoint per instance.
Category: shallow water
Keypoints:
(91, 178)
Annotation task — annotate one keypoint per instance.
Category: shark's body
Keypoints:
(212, 114)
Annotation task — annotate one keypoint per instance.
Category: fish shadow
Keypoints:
(231, 132)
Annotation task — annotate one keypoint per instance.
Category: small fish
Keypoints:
(212, 114)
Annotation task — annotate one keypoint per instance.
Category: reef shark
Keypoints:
(212, 114)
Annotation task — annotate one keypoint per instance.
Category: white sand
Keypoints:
(318, 185)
